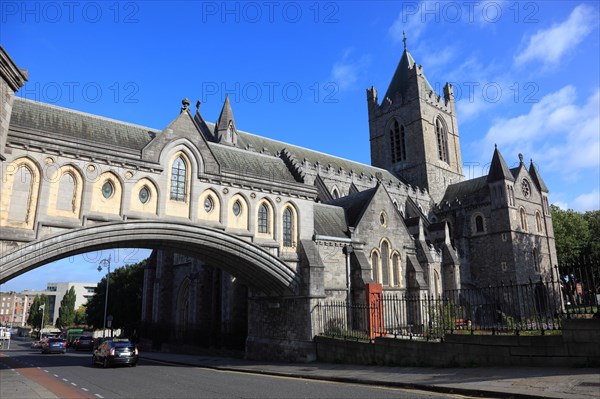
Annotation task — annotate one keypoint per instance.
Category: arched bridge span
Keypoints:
(251, 264)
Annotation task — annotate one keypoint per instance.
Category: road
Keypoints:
(74, 373)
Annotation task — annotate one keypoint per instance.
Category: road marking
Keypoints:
(85, 389)
(100, 396)
(56, 375)
(46, 371)
(73, 384)
(64, 379)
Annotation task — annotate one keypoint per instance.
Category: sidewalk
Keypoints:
(14, 385)
(518, 382)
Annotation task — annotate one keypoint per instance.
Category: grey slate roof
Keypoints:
(399, 81)
(355, 204)
(84, 127)
(498, 169)
(330, 221)
(537, 178)
(79, 125)
(466, 188)
(274, 147)
(250, 163)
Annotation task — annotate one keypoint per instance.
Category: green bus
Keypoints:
(73, 334)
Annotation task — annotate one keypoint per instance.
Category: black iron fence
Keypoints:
(509, 308)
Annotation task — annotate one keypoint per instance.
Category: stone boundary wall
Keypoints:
(576, 347)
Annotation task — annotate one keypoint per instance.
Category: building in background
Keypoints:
(55, 293)
(14, 309)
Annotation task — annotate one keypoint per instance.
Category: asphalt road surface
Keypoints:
(75, 373)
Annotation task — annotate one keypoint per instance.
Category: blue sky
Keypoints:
(526, 75)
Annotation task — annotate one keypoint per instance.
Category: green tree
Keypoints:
(572, 235)
(593, 221)
(35, 313)
(578, 250)
(80, 316)
(66, 312)
(124, 298)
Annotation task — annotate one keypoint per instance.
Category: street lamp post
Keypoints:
(105, 263)
(42, 308)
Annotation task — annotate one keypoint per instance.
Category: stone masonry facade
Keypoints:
(284, 227)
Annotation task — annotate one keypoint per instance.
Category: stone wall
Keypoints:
(576, 347)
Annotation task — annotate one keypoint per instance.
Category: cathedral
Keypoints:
(305, 225)
(410, 221)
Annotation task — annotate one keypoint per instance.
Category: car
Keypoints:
(73, 342)
(84, 343)
(55, 345)
(114, 351)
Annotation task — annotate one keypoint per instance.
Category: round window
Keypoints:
(208, 204)
(108, 189)
(382, 219)
(237, 208)
(144, 195)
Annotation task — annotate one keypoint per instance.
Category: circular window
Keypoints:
(525, 188)
(382, 218)
(237, 208)
(208, 204)
(108, 189)
(144, 195)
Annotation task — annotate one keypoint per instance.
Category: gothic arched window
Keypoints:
(375, 267)
(479, 224)
(397, 142)
(288, 227)
(538, 222)
(385, 264)
(536, 259)
(397, 271)
(442, 140)
(402, 143)
(523, 219)
(178, 179)
(263, 219)
(335, 193)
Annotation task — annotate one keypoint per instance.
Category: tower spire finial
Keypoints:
(404, 39)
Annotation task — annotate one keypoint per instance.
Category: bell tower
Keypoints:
(414, 132)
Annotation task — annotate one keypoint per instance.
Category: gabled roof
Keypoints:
(330, 221)
(355, 204)
(78, 125)
(498, 169)
(324, 194)
(467, 188)
(537, 178)
(251, 163)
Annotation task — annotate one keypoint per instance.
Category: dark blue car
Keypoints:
(54, 345)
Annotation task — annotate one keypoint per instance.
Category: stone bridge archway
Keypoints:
(253, 265)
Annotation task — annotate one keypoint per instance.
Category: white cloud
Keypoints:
(557, 133)
(550, 45)
(410, 20)
(346, 71)
(587, 202)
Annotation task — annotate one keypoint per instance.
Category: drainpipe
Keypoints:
(347, 251)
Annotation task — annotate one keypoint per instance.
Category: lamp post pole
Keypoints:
(105, 263)
(43, 307)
